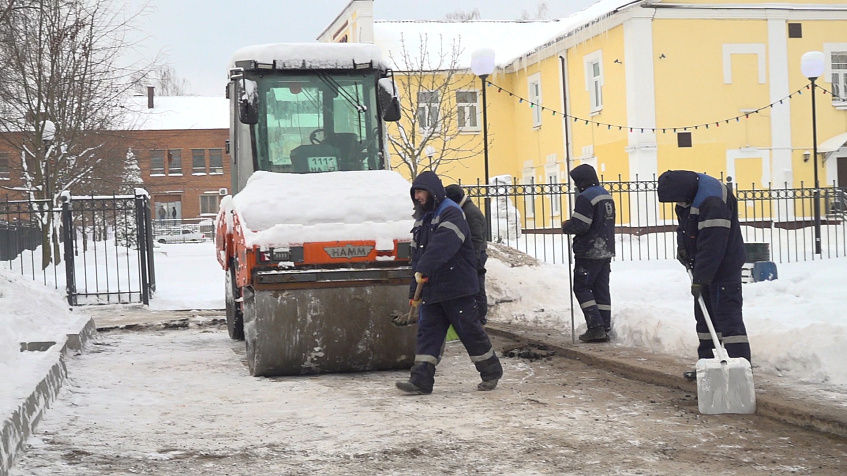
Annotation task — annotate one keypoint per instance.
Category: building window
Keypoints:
(216, 162)
(535, 98)
(428, 105)
(683, 139)
(839, 75)
(594, 80)
(529, 196)
(174, 162)
(467, 105)
(795, 30)
(555, 197)
(4, 166)
(209, 204)
(157, 162)
(198, 161)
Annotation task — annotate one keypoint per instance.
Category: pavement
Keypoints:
(806, 407)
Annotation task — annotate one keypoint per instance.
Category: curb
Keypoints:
(772, 401)
(22, 421)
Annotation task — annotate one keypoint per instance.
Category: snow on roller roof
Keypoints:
(312, 55)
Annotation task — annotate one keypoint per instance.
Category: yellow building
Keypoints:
(635, 88)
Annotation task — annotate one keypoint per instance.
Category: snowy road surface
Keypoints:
(180, 401)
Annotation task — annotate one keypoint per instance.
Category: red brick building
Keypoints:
(180, 145)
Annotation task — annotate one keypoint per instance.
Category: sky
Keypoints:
(795, 323)
(198, 37)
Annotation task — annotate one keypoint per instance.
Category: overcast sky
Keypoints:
(198, 37)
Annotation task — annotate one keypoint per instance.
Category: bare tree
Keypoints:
(59, 91)
(464, 16)
(541, 13)
(165, 80)
(432, 119)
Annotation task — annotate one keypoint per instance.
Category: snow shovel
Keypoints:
(724, 384)
(410, 318)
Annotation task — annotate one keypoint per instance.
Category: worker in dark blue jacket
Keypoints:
(593, 225)
(478, 225)
(443, 259)
(709, 243)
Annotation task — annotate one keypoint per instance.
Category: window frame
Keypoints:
(174, 157)
(528, 179)
(5, 170)
(216, 169)
(594, 80)
(194, 156)
(216, 199)
(427, 107)
(463, 106)
(553, 175)
(838, 77)
(154, 171)
(534, 87)
(829, 74)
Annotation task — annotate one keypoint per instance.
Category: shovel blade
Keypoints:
(725, 387)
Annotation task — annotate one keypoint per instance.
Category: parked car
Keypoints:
(182, 234)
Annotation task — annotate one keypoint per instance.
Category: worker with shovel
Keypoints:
(710, 245)
(444, 262)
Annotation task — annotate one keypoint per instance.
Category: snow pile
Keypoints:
(795, 324)
(284, 209)
(29, 312)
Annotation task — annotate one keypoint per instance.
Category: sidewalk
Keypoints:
(40, 376)
(807, 408)
(810, 409)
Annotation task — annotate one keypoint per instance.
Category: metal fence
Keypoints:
(101, 246)
(528, 217)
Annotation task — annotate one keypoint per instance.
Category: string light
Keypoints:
(651, 129)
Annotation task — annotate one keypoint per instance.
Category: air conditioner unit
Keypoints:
(223, 191)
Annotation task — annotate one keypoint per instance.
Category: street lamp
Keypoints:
(811, 64)
(47, 136)
(482, 64)
(430, 151)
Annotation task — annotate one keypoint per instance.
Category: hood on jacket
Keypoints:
(431, 183)
(584, 176)
(678, 186)
(455, 192)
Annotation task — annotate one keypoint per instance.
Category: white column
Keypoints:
(778, 73)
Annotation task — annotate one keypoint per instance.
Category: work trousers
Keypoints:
(591, 288)
(433, 323)
(481, 297)
(723, 301)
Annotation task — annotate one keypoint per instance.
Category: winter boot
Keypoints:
(411, 388)
(487, 385)
(595, 334)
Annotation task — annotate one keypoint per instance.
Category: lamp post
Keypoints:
(430, 151)
(482, 64)
(47, 136)
(811, 64)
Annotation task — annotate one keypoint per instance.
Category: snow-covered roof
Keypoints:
(176, 113)
(509, 39)
(312, 55)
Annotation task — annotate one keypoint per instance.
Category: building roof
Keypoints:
(176, 113)
(509, 39)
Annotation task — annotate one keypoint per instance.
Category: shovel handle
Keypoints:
(418, 291)
(719, 349)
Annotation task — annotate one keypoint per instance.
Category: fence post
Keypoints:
(69, 236)
(144, 258)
